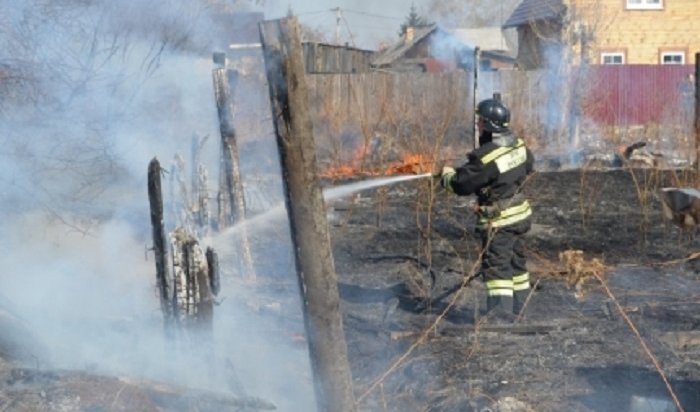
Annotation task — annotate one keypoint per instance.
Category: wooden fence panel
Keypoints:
(593, 108)
(355, 114)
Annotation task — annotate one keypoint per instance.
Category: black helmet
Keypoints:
(494, 114)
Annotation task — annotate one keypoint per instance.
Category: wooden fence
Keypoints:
(386, 114)
(601, 106)
(330, 58)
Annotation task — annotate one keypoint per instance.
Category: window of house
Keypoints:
(672, 58)
(612, 58)
(645, 4)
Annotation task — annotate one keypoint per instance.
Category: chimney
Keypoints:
(408, 36)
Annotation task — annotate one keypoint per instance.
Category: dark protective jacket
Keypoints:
(494, 172)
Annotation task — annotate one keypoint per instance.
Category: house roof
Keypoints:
(396, 51)
(534, 10)
(486, 38)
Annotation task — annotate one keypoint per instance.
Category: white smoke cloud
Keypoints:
(94, 91)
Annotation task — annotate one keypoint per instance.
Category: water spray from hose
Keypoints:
(350, 188)
(277, 212)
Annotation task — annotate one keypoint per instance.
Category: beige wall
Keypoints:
(642, 35)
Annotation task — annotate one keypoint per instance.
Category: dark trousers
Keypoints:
(504, 266)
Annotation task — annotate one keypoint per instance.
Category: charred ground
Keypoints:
(400, 252)
(415, 338)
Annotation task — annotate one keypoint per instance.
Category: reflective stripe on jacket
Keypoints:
(508, 216)
(506, 158)
(494, 172)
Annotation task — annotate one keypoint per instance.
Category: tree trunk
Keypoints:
(307, 214)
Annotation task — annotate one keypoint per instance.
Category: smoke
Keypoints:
(90, 92)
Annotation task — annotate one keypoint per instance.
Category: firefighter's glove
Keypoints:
(446, 177)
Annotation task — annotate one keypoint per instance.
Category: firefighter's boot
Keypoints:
(521, 289)
(499, 309)
(519, 299)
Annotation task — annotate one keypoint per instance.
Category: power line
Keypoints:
(336, 9)
(313, 12)
(339, 15)
(372, 15)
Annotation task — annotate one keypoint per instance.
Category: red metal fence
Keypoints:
(621, 95)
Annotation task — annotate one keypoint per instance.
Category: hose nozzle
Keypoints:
(437, 168)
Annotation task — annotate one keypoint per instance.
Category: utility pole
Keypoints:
(338, 18)
(475, 96)
(696, 123)
(318, 283)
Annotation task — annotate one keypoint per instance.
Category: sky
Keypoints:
(366, 22)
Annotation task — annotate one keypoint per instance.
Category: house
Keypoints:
(422, 49)
(434, 49)
(498, 51)
(605, 31)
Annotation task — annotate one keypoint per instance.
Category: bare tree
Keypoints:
(70, 75)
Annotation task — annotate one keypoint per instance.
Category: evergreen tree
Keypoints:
(413, 20)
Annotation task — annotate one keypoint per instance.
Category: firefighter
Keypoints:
(495, 173)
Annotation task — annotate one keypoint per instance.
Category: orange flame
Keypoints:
(411, 164)
(414, 163)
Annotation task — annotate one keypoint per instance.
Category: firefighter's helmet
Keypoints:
(494, 114)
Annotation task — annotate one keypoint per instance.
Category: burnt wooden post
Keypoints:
(155, 198)
(224, 82)
(193, 294)
(233, 201)
(696, 123)
(475, 96)
(307, 214)
(200, 196)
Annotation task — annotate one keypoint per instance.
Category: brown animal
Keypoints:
(681, 206)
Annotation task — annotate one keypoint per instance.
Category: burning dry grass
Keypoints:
(410, 164)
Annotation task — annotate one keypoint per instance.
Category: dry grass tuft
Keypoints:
(578, 270)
